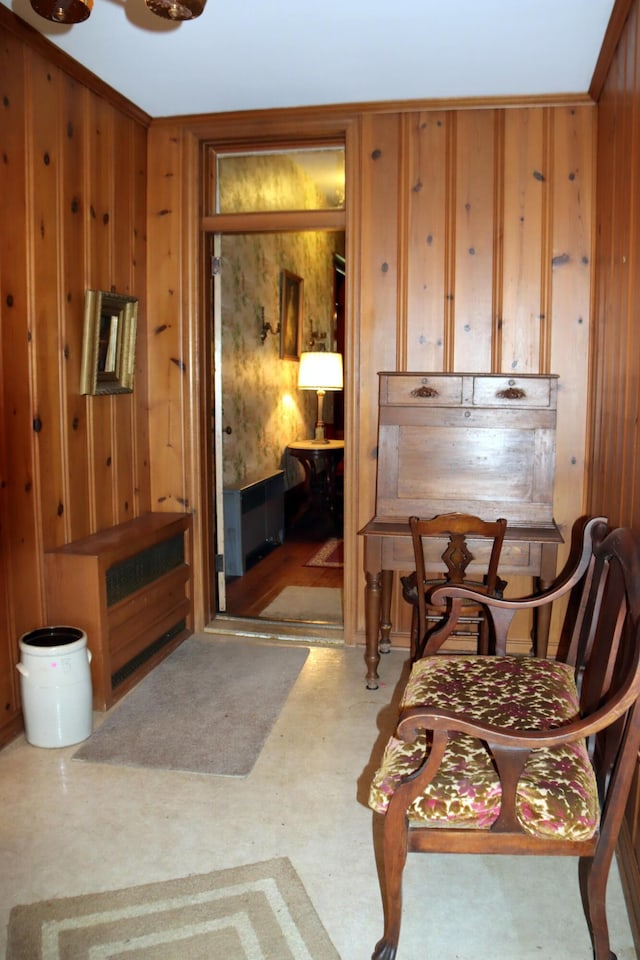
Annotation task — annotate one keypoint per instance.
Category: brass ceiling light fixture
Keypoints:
(75, 11)
(176, 9)
(63, 11)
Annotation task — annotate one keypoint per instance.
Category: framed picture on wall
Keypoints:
(291, 302)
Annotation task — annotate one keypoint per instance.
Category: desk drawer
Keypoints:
(421, 390)
(513, 392)
(518, 558)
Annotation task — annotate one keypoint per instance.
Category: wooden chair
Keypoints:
(547, 747)
(457, 528)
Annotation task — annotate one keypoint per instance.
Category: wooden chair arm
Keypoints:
(501, 611)
(594, 531)
(415, 719)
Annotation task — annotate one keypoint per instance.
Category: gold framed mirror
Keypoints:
(108, 343)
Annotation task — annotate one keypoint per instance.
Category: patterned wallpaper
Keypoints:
(261, 402)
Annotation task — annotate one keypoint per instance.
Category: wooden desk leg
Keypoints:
(542, 615)
(372, 627)
(385, 611)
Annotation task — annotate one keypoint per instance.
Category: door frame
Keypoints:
(295, 221)
(178, 415)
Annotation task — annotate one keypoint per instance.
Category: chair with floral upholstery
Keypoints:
(523, 755)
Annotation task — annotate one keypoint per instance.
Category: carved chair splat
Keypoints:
(457, 529)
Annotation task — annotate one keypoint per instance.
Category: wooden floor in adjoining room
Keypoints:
(284, 566)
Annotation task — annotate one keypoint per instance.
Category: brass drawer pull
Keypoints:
(511, 393)
(424, 392)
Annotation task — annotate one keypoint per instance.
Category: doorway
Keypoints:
(280, 543)
(282, 219)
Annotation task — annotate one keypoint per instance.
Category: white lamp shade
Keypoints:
(320, 371)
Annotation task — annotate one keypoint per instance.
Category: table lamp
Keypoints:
(320, 371)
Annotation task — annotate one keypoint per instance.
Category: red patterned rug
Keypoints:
(330, 554)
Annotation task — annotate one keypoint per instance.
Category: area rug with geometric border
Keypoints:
(256, 912)
(208, 708)
(330, 554)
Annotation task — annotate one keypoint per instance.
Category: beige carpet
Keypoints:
(208, 708)
(256, 912)
(310, 604)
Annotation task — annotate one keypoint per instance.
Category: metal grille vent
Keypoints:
(121, 675)
(142, 568)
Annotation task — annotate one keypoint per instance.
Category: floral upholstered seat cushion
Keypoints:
(557, 794)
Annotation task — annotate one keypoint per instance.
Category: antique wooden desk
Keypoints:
(472, 443)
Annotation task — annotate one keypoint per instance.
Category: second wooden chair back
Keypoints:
(458, 529)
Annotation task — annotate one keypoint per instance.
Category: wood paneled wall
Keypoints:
(614, 466)
(74, 175)
(469, 243)
(615, 399)
(469, 240)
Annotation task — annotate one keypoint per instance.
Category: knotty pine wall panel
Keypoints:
(100, 240)
(378, 282)
(615, 441)
(498, 219)
(523, 213)
(567, 312)
(470, 231)
(71, 465)
(46, 254)
(473, 254)
(168, 367)
(428, 177)
(614, 449)
(73, 187)
(18, 542)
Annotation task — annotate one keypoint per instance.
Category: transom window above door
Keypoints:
(278, 180)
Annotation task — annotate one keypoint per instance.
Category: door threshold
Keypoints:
(322, 634)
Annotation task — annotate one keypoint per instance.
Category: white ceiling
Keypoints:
(252, 54)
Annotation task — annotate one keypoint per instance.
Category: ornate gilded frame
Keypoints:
(108, 343)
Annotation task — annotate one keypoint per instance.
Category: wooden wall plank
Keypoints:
(77, 521)
(101, 153)
(378, 284)
(525, 189)
(20, 538)
(473, 241)
(427, 240)
(572, 242)
(164, 339)
(46, 252)
(123, 225)
(139, 413)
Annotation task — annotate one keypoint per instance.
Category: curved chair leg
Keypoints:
(394, 856)
(594, 873)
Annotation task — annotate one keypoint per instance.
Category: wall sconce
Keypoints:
(266, 327)
(320, 371)
(316, 337)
